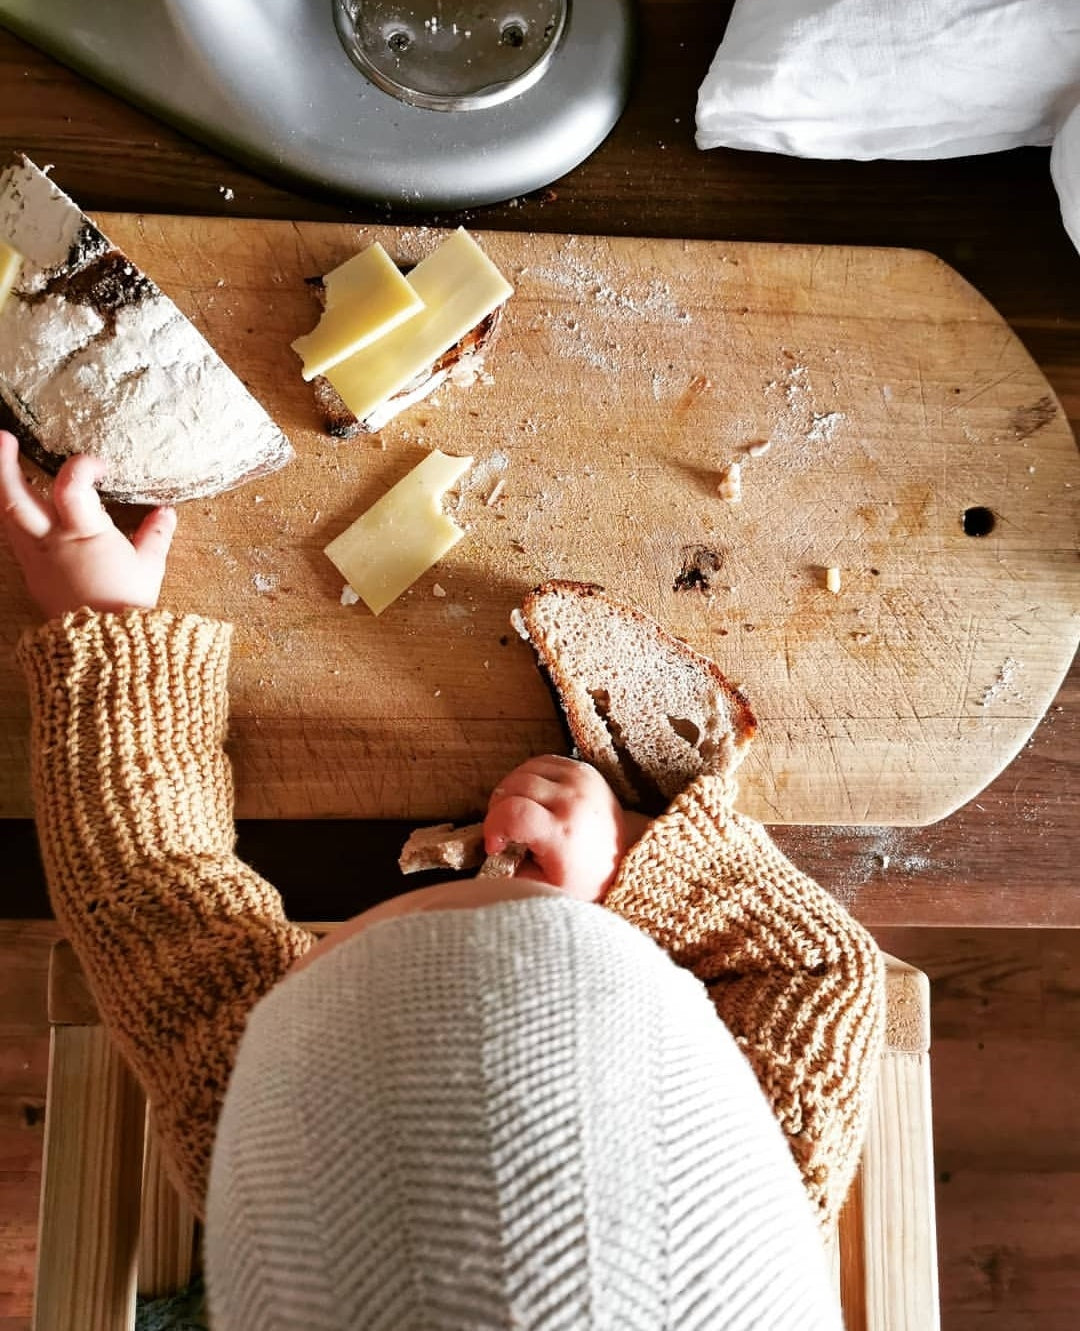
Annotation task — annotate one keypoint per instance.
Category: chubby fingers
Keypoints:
(526, 822)
(531, 807)
(21, 509)
(547, 776)
(549, 781)
(78, 508)
(154, 534)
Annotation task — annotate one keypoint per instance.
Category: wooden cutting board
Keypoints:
(628, 374)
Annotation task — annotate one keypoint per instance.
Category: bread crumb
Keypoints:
(832, 580)
(438, 590)
(226, 193)
(759, 447)
(348, 596)
(517, 623)
(730, 486)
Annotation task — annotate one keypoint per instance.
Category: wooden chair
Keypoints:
(112, 1225)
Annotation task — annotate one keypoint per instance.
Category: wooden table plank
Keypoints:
(1009, 858)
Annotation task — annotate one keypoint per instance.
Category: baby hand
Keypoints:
(568, 818)
(70, 552)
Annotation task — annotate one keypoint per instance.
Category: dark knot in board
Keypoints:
(700, 565)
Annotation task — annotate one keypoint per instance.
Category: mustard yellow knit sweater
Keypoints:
(179, 938)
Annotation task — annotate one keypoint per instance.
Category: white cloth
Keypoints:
(1065, 168)
(522, 1116)
(891, 78)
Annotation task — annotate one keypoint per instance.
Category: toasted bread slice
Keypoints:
(95, 358)
(642, 706)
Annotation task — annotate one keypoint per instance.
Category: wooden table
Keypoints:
(1010, 857)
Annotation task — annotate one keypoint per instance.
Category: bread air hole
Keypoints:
(685, 729)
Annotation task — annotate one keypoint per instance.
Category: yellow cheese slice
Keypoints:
(459, 286)
(365, 298)
(10, 267)
(401, 535)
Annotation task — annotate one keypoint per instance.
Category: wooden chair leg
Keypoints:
(887, 1234)
(89, 1222)
(167, 1229)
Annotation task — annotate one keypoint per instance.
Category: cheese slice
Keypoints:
(365, 298)
(399, 538)
(10, 267)
(459, 286)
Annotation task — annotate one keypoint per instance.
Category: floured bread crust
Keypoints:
(95, 358)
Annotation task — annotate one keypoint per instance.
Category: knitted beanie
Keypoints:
(518, 1116)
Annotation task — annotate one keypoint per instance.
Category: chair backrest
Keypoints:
(112, 1225)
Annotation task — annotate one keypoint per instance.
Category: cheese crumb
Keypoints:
(438, 590)
(759, 447)
(832, 580)
(348, 596)
(730, 487)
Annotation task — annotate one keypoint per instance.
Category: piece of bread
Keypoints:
(642, 706)
(504, 863)
(94, 358)
(443, 846)
(461, 365)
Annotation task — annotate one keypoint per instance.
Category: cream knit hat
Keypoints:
(519, 1116)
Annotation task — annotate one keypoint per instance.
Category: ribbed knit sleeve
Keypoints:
(133, 796)
(798, 982)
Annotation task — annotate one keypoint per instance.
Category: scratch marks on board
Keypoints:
(1026, 421)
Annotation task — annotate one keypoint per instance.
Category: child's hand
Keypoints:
(70, 552)
(568, 818)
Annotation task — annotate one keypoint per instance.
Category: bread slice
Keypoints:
(642, 706)
(645, 709)
(94, 358)
(461, 365)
